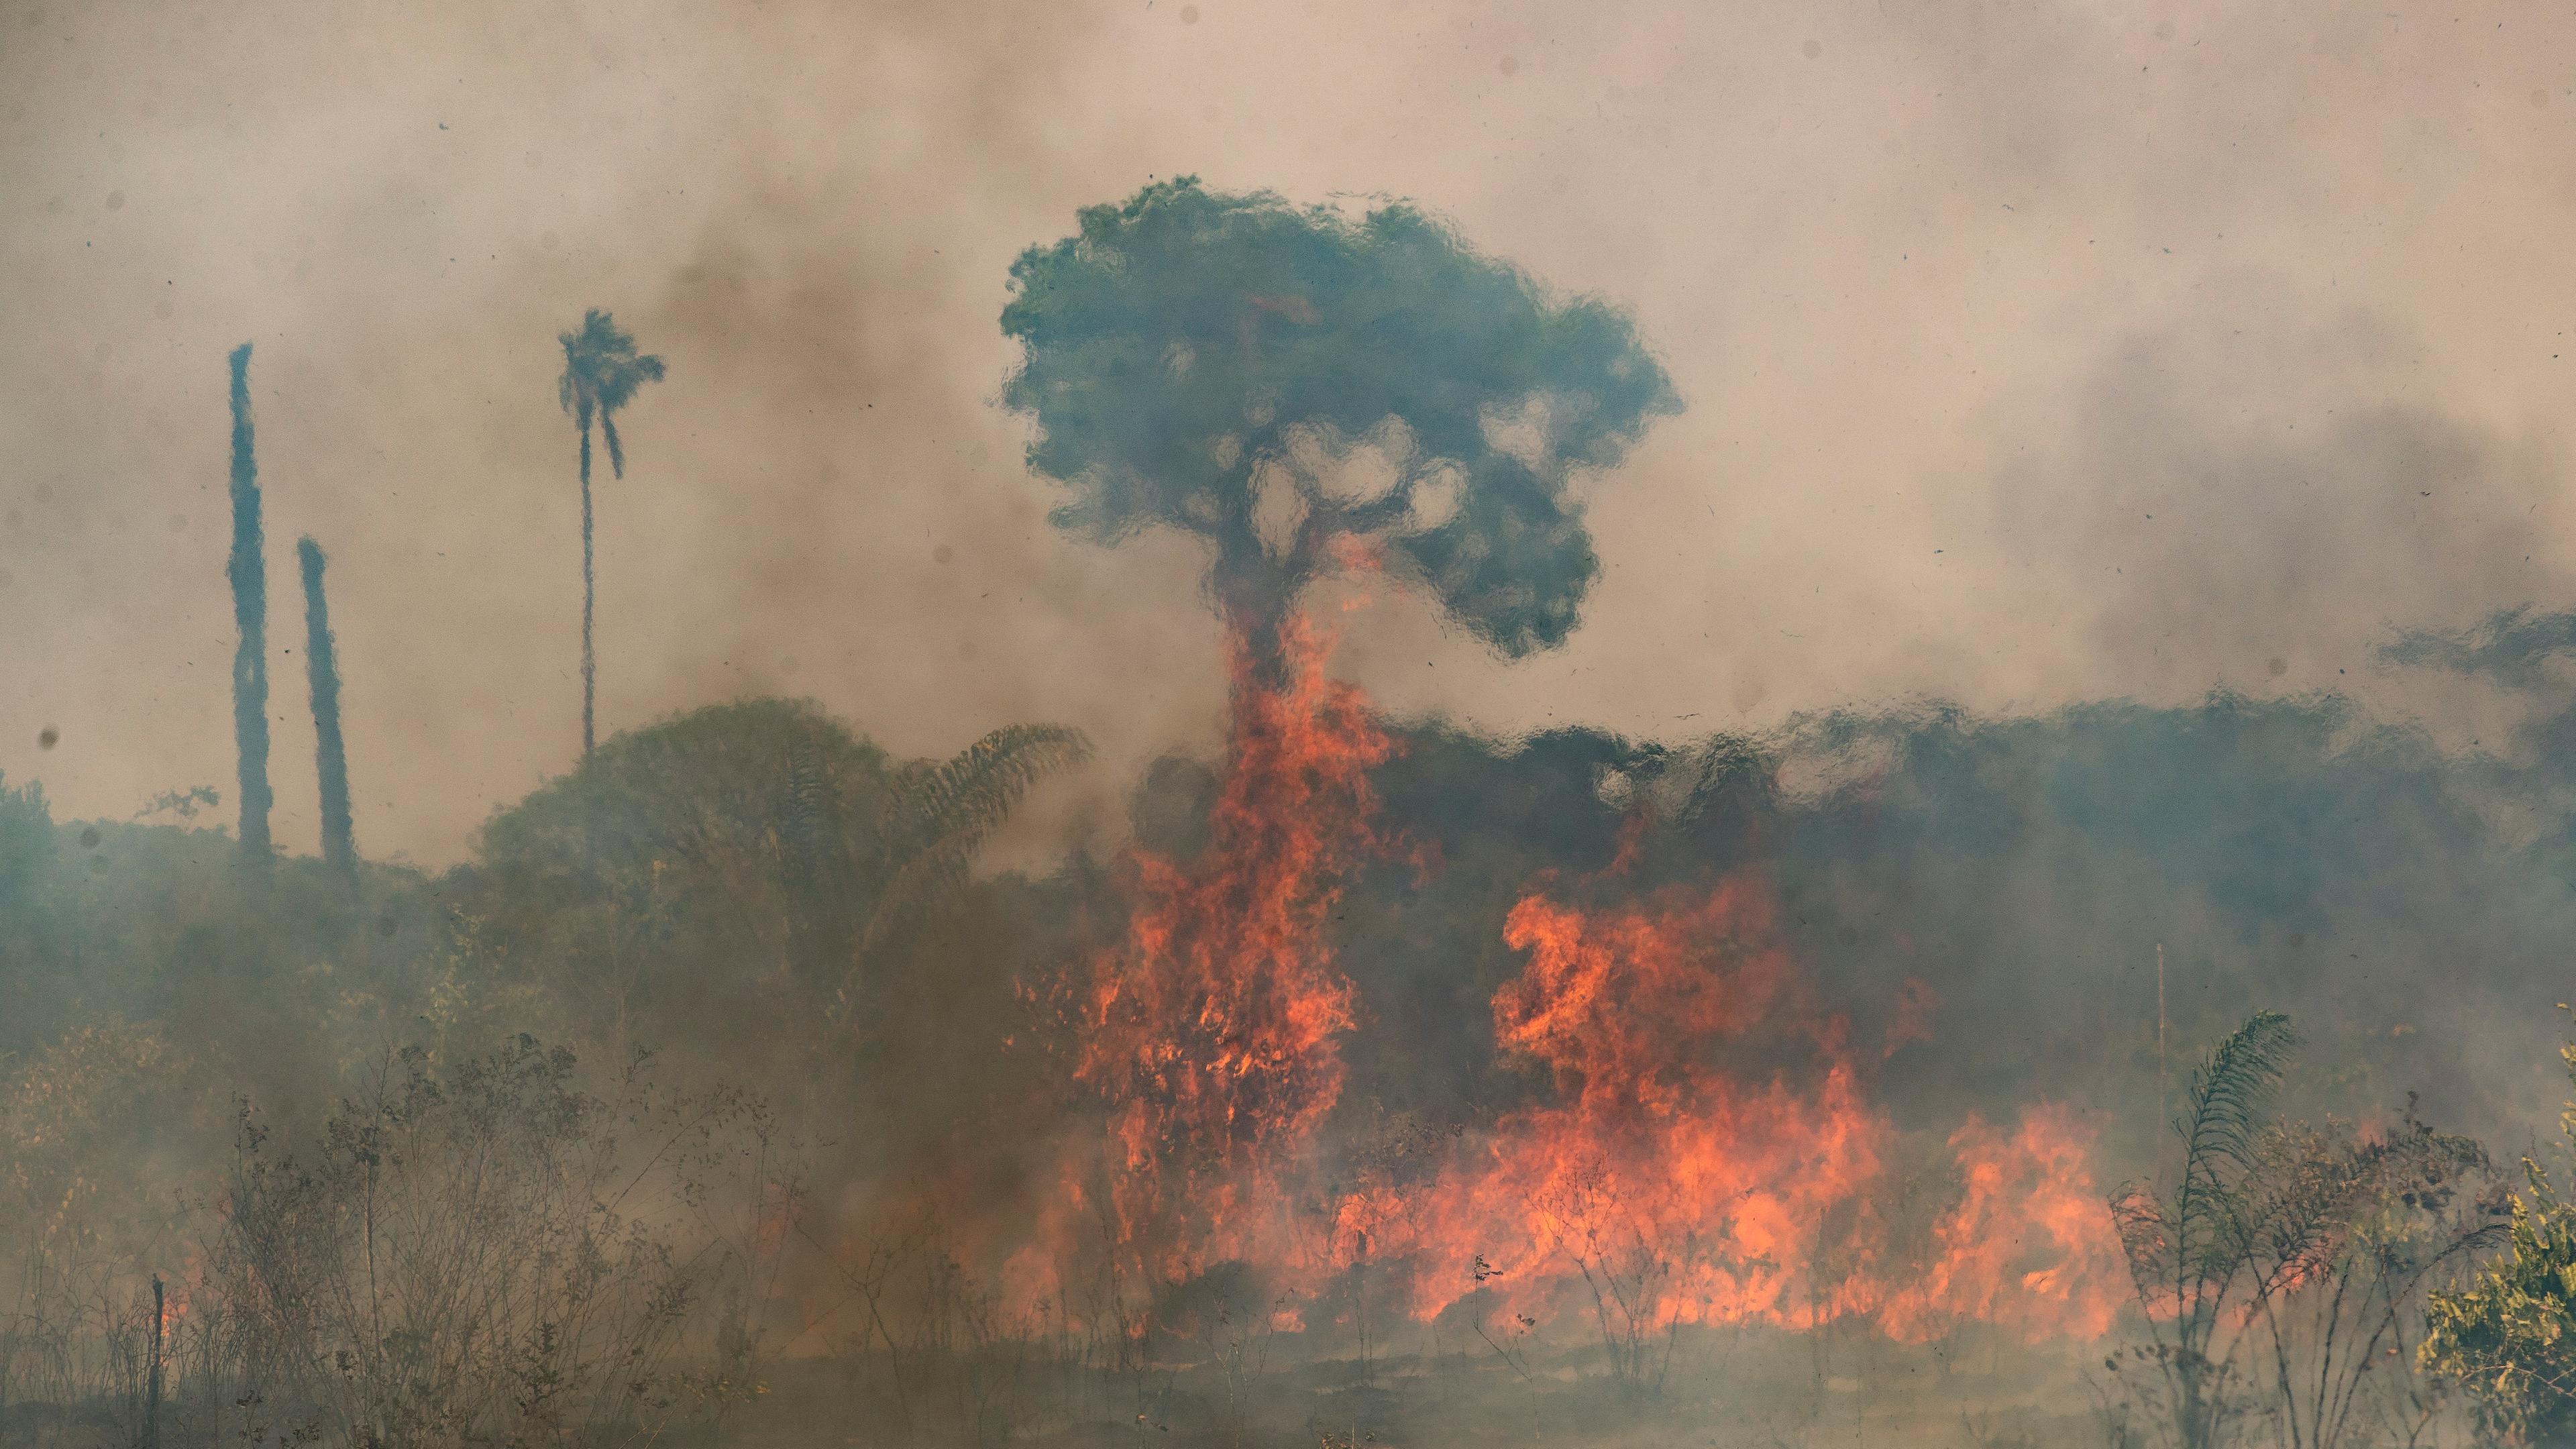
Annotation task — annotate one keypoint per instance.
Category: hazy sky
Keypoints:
(2032, 352)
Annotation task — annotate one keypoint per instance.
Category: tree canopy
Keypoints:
(683, 853)
(1213, 362)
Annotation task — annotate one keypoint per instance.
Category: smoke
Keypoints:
(814, 220)
(2515, 647)
(2260, 507)
(2109, 579)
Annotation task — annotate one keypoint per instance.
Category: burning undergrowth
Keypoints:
(1397, 1038)
(1699, 1145)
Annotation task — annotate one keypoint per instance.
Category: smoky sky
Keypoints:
(1956, 295)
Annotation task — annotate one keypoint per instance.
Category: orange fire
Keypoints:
(1703, 1151)
(1694, 1187)
(1710, 1155)
(1212, 1031)
(2027, 1243)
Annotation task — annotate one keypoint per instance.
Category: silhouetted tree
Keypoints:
(601, 373)
(247, 569)
(649, 879)
(1207, 362)
(330, 755)
(943, 812)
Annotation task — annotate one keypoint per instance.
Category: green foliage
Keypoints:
(264, 979)
(687, 871)
(2186, 1250)
(1187, 348)
(26, 851)
(2508, 1336)
(2285, 1268)
(946, 811)
(2221, 1115)
(181, 804)
(2191, 1256)
(729, 869)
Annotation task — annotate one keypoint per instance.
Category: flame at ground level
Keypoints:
(1711, 1157)
(1704, 1149)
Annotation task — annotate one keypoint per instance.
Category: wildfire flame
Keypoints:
(1705, 1150)
(1212, 1030)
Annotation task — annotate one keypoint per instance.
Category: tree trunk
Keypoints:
(2198, 1420)
(589, 663)
(1256, 596)
(330, 754)
(152, 1388)
(247, 571)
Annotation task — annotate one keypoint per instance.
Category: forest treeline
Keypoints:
(753, 895)
(707, 883)
(717, 1078)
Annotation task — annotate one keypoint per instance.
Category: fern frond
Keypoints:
(2228, 1091)
(810, 806)
(951, 809)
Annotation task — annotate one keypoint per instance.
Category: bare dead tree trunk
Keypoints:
(152, 1380)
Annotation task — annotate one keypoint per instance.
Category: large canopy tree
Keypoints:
(1214, 362)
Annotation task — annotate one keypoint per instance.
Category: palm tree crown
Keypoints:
(601, 372)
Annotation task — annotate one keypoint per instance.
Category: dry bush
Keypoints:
(954, 1364)
(2280, 1277)
(479, 1254)
(82, 1131)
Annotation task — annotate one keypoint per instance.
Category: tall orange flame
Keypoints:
(1212, 1029)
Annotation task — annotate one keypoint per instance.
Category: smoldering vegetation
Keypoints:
(602, 1135)
(2119, 1074)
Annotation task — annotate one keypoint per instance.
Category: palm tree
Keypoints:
(2193, 1256)
(601, 373)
